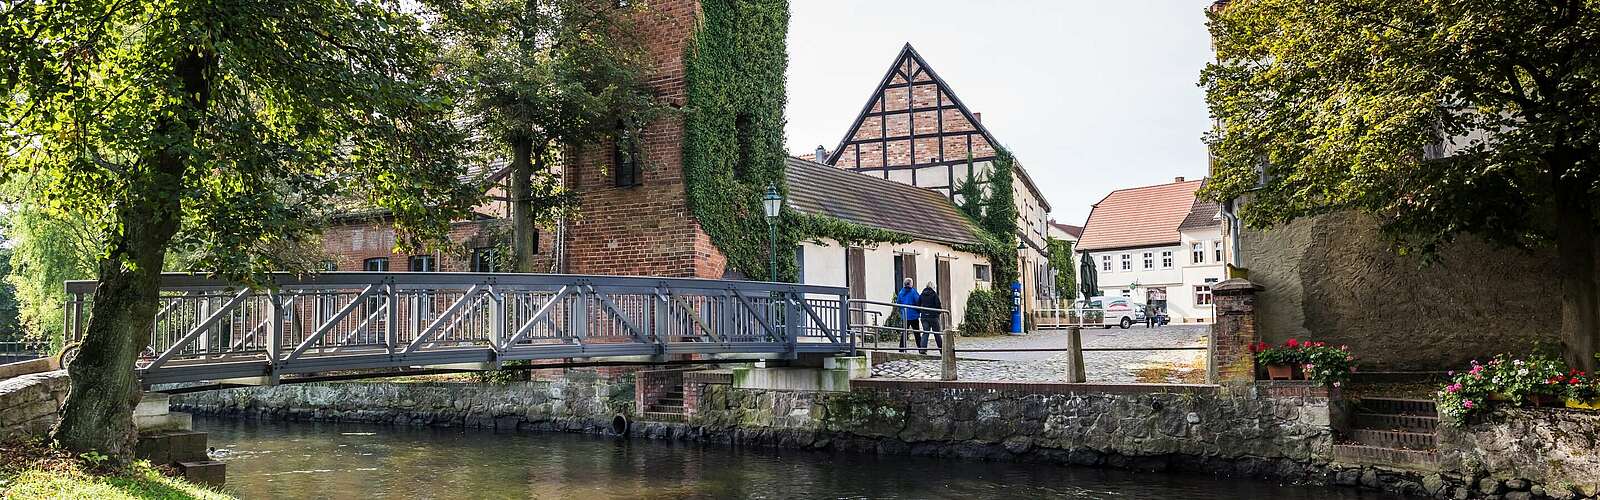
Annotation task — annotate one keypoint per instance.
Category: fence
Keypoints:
(210, 329)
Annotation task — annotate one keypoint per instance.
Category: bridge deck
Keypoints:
(213, 330)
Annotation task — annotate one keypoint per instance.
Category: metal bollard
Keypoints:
(947, 356)
(1075, 370)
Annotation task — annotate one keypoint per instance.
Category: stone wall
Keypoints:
(581, 402)
(30, 404)
(1333, 278)
(1516, 448)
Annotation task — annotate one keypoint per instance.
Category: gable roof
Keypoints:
(1202, 214)
(1071, 230)
(1139, 217)
(913, 94)
(924, 214)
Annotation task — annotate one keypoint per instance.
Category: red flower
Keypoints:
(1292, 343)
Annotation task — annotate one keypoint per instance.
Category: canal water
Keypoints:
(342, 461)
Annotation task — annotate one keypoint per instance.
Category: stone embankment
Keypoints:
(29, 403)
(1283, 431)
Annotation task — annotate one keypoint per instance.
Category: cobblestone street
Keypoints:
(1100, 366)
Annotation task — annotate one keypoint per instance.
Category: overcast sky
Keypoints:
(1091, 96)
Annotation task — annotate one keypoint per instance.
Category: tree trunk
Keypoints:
(1580, 291)
(522, 205)
(98, 414)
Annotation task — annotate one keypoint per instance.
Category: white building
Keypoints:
(874, 271)
(1160, 245)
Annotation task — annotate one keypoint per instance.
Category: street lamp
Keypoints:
(772, 203)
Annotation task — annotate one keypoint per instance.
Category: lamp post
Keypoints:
(772, 203)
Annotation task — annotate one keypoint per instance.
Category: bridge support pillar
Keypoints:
(168, 437)
(834, 374)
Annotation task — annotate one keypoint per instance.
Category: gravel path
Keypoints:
(1100, 366)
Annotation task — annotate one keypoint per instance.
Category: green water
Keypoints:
(323, 460)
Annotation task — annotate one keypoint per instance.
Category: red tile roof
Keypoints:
(1071, 230)
(1138, 217)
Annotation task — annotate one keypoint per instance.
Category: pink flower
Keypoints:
(1453, 388)
(1467, 403)
(1336, 384)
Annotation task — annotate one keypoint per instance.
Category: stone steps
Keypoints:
(1391, 432)
(1388, 422)
(1378, 455)
(1387, 406)
(1393, 439)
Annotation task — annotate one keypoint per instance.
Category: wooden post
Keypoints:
(1075, 371)
(947, 356)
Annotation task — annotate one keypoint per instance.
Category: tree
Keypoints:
(1439, 117)
(46, 250)
(223, 129)
(1061, 261)
(539, 76)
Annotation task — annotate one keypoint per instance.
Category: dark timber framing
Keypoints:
(910, 65)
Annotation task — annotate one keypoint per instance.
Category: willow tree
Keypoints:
(539, 78)
(223, 128)
(1440, 117)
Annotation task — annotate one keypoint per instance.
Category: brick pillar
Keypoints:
(1233, 332)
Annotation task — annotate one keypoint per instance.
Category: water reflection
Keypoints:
(323, 460)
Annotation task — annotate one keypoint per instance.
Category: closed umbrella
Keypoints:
(1088, 282)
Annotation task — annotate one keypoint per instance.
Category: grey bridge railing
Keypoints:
(209, 329)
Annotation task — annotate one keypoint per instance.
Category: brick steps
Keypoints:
(1393, 439)
(1393, 432)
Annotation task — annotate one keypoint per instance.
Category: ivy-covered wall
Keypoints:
(733, 131)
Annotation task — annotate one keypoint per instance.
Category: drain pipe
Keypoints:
(620, 425)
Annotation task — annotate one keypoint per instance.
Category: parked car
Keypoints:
(1107, 311)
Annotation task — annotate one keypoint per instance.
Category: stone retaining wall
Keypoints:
(1516, 449)
(30, 404)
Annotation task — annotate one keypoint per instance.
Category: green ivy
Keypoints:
(994, 210)
(733, 131)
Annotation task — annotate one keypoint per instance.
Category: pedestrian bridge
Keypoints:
(214, 330)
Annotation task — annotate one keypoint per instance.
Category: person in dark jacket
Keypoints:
(930, 319)
(907, 296)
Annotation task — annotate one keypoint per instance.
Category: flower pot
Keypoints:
(1541, 400)
(1498, 396)
(1593, 404)
(1280, 372)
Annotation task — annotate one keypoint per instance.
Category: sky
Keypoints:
(1090, 96)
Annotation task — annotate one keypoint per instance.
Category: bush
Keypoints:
(988, 313)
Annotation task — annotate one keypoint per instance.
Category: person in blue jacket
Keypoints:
(908, 297)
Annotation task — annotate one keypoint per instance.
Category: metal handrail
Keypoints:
(215, 329)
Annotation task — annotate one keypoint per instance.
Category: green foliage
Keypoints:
(252, 116)
(988, 313)
(1325, 365)
(1334, 105)
(47, 250)
(1338, 99)
(988, 199)
(733, 131)
(1061, 260)
(1507, 379)
(811, 227)
(538, 79)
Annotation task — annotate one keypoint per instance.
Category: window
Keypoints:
(1217, 245)
(1127, 262)
(799, 264)
(1197, 253)
(485, 260)
(980, 272)
(423, 264)
(744, 134)
(625, 159)
(1149, 260)
(1105, 263)
(329, 265)
(375, 264)
(1202, 295)
(1166, 259)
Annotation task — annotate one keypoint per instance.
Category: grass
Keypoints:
(32, 470)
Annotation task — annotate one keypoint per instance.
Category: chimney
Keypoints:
(978, 117)
(1177, 179)
(822, 154)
